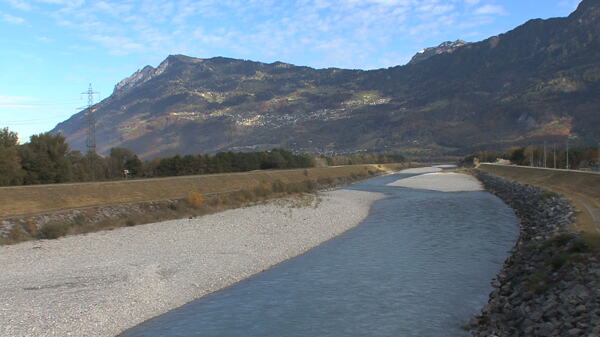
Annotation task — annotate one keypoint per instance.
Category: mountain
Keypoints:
(445, 47)
(540, 81)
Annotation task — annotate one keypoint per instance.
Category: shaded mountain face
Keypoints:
(540, 81)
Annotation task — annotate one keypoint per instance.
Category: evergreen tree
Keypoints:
(11, 172)
(45, 159)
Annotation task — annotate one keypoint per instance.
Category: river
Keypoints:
(420, 265)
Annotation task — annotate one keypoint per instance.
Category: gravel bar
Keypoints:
(103, 283)
(443, 182)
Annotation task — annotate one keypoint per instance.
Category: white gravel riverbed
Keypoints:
(102, 283)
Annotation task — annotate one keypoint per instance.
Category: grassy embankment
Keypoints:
(186, 196)
(582, 188)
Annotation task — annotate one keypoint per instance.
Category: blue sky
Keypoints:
(51, 49)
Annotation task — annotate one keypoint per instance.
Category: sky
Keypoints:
(50, 50)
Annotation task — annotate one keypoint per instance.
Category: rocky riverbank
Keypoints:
(550, 285)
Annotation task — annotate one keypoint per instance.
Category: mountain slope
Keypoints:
(539, 81)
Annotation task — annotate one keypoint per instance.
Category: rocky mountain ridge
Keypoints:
(537, 82)
(443, 48)
(141, 76)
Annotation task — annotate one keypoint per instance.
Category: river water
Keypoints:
(419, 266)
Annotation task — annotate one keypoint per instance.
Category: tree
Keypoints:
(274, 160)
(518, 156)
(11, 172)
(135, 166)
(8, 138)
(117, 161)
(89, 167)
(45, 159)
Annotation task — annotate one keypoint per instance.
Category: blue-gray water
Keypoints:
(420, 265)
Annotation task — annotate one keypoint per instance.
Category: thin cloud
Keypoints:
(20, 5)
(491, 10)
(11, 18)
(320, 30)
(8, 99)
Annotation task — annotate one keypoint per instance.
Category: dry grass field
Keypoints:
(22, 200)
(582, 188)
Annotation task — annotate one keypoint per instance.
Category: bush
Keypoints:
(262, 190)
(557, 261)
(53, 231)
(325, 181)
(278, 186)
(236, 198)
(215, 201)
(79, 220)
(578, 246)
(243, 195)
(549, 195)
(195, 199)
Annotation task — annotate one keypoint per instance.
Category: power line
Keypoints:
(545, 154)
(91, 130)
(554, 155)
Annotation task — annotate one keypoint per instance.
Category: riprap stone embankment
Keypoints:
(550, 285)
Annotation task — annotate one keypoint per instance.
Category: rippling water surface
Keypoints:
(420, 265)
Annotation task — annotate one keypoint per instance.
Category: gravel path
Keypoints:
(102, 283)
(445, 182)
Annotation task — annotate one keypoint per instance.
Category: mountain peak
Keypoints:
(140, 76)
(443, 48)
(145, 74)
(588, 4)
(588, 11)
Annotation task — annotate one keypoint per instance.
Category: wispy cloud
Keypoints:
(19, 102)
(491, 10)
(11, 18)
(24, 102)
(336, 32)
(471, 2)
(20, 5)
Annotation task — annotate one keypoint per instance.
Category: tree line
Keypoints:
(47, 159)
(363, 158)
